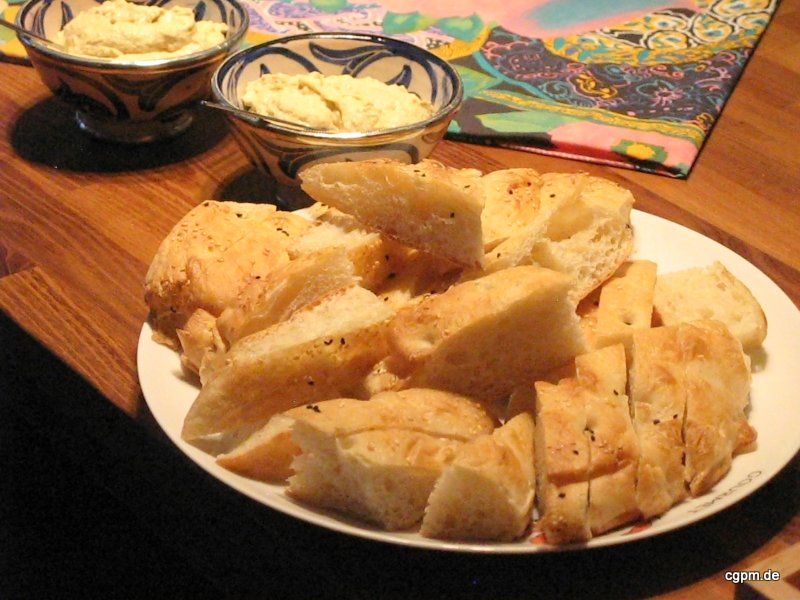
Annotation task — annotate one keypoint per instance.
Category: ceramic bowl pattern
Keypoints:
(133, 102)
(284, 151)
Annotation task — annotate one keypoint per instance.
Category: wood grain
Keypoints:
(80, 221)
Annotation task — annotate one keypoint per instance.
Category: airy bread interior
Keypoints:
(582, 229)
(711, 292)
(487, 491)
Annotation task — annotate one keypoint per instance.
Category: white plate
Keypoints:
(775, 403)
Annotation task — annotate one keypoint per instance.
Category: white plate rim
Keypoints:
(168, 395)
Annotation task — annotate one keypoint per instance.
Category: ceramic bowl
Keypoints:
(283, 151)
(128, 102)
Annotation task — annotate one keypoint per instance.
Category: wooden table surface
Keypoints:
(80, 221)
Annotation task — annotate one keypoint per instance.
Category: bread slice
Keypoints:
(690, 384)
(487, 491)
(374, 256)
(562, 461)
(586, 449)
(427, 205)
(558, 211)
(612, 499)
(717, 395)
(263, 302)
(625, 304)
(267, 454)
(382, 476)
(583, 229)
(657, 390)
(322, 351)
(378, 460)
(711, 292)
(523, 397)
(613, 445)
(511, 203)
(430, 411)
(198, 338)
(209, 256)
(482, 338)
(275, 297)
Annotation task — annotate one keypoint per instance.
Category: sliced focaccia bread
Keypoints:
(657, 389)
(717, 395)
(690, 384)
(558, 212)
(267, 454)
(487, 491)
(381, 476)
(263, 302)
(419, 274)
(613, 445)
(625, 304)
(484, 337)
(711, 292)
(322, 351)
(275, 297)
(562, 461)
(427, 205)
(430, 411)
(374, 256)
(378, 460)
(583, 229)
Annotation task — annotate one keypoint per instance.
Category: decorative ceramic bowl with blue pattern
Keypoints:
(283, 151)
(129, 102)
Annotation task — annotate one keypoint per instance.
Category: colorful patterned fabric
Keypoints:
(634, 83)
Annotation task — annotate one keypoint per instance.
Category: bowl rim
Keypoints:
(262, 122)
(231, 40)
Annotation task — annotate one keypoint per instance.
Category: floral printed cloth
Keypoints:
(633, 83)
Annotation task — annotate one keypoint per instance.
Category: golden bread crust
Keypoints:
(274, 298)
(657, 383)
(613, 444)
(512, 203)
(210, 255)
(717, 395)
(625, 304)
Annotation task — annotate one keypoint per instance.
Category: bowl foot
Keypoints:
(131, 132)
